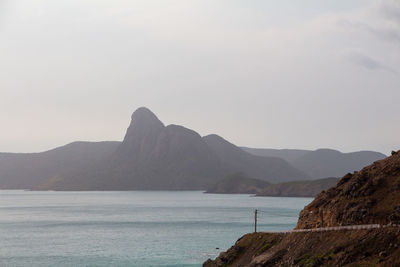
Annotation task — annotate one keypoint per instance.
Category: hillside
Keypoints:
(238, 183)
(322, 162)
(25, 171)
(371, 195)
(308, 188)
(289, 155)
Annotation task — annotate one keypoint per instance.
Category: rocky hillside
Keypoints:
(371, 195)
(380, 247)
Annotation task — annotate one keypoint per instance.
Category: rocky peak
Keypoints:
(142, 133)
(144, 118)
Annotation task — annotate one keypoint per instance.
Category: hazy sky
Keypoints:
(262, 73)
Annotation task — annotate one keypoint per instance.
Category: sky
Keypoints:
(261, 73)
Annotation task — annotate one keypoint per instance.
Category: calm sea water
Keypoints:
(131, 228)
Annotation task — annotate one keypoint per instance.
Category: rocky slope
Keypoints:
(321, 162)
(380, 247)
(369, 196)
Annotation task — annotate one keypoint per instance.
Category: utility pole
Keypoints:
(255, 221)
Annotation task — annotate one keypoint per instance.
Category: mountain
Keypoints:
(234, 159)
(152, 156)
(25, 171)
(238, 183)
(322, 162)
(370, 196)
(287, 154)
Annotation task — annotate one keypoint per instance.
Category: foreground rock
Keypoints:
(369, 196)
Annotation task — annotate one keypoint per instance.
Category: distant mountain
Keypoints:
(25, 171)
(152, 156)
(289, 155)
(322, 162)
(234, 159)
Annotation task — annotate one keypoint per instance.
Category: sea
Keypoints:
(131, 228)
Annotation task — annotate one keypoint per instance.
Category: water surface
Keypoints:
(131, 228)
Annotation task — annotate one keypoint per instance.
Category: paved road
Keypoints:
(339, 228)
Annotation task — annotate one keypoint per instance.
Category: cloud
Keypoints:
(382, 20)
(368, 62)
(373, 36)
(390, 9)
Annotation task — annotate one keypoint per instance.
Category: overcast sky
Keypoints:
(261, 73)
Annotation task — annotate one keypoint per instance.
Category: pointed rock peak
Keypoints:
(143, 116)
(142, 133)
(144, 112)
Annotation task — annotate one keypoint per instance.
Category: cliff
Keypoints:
(369, 196)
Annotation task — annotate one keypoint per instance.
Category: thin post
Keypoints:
(255, 221)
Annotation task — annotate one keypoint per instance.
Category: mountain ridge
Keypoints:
(322, 162)
(151, 156)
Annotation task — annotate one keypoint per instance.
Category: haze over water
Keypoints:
(132, 228)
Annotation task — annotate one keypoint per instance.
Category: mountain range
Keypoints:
(321, 163)
(151, 156)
